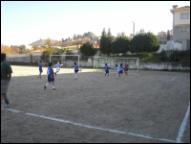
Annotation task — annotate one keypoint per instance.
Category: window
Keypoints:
(184, 29)
(184, 15)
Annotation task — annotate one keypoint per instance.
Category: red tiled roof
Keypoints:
(183, 7)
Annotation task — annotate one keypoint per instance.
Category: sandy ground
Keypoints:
(146, 108)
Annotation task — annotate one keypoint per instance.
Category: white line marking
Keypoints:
(173, 79)
(92, 127)
(183, 125)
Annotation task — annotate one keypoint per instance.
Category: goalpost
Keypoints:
(133, 63)
(66, 60)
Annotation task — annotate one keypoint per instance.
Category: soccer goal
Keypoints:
(66, 60)
(133, 63)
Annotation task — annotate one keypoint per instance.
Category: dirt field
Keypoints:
(149, 108)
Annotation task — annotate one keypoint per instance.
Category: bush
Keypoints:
(146, 57)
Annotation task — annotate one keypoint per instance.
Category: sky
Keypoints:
(23, 22)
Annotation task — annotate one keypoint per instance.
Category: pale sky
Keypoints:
(23, 22)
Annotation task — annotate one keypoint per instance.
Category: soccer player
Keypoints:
(117, 68)
(5, 78)
(126, 69)
(58, 65)
(50, 76)
(76, 70)
(106, 69)
(40, 69)
(120, 70)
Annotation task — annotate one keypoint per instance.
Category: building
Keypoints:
(181, 26)
(162, 37)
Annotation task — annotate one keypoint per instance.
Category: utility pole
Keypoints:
(133, 28)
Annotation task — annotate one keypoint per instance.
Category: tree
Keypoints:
(168, 35)
(22, 49)
(103, 46)
(87, 50)
(48, 51)
(62, 51)
(152, 44)
(109, 41)
(57, 43)
(5, 49)
(89, 35)
(35, 47)
(105, 42)
(48, 42)
(120, 45)
(144, 43)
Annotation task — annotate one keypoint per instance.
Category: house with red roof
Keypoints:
(181, 26)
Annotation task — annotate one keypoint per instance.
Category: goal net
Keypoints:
(66, 60)
(133, 63)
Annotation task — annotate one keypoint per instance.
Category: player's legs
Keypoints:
(120, 72)
(52, 80)
(4, 88)
(40, 72)
(5, 98)
(75, 74)
(49, 81)
(57, 70)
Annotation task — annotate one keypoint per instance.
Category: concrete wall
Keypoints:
(165, 66)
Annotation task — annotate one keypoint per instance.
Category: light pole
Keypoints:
(133, 28)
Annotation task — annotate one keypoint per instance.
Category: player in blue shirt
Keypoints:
(106, 69)
(121, 68)
(40, 68)
(50, 73)
(76, 70)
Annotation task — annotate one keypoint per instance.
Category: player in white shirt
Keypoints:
(58, 65)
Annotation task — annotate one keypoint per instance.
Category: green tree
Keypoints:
(62, 51)
(48, 51)
(120, 45)
(105, 42)
(168, 35)
(144, 43)
(87, 50)
(109, 42)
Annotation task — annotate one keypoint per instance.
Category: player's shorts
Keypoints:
(76, 71)
(40, 69)
(106, 71)
(50, 79)
(4, 86)
(120, 72)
